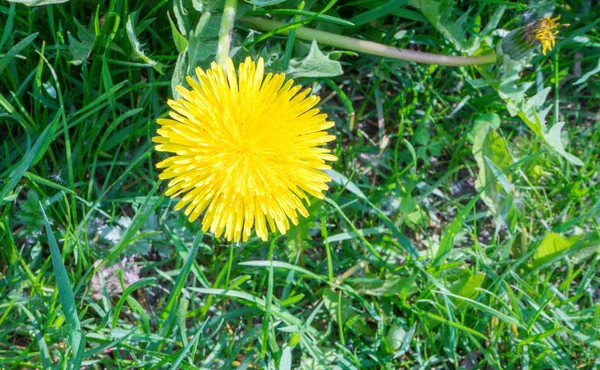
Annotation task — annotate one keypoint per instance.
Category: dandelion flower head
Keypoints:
(543, 31)
(246, 150)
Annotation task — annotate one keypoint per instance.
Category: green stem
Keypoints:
(367, 47)
(226, 31)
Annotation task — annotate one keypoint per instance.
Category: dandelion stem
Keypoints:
(226, 31)
(367, 47)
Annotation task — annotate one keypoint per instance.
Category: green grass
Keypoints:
(405, 264)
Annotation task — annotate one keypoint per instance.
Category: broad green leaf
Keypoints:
(286, 359)
(353, 235)
(316, 64)
(553, 138)
(202, 42)
(82, 48)
(492, 156)
(394, 338)
(467, 287)
(179, 74)
(330, 298)
(181, 16)
(552, 245)
(179, 40)
(530, 109)
(396, 286)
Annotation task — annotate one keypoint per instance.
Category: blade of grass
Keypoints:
(65, 294)
(12, 53)
(33, 155)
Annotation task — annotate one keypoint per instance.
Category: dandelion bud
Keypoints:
(520, 42)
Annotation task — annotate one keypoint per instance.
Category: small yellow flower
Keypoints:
(542, 30)
(247, 150)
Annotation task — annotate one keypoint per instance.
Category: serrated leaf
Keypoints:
(82, 48)
(29, 213)
(440, 14)
(555, 142)
(137, 46)
(316, 64)
(203, 41)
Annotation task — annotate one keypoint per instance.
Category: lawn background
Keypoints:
(404, 264)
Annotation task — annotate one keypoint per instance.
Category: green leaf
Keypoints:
(467, 287)
(179, 40)
(316, 64)
(440, 14)
(552, 245)
(179, 74)
(553, 138)
(82, 48)
(395, 338)
(392, 286)
(332, 301)
(286, 359)
(137, 46)
(203, 42)
(492, 156)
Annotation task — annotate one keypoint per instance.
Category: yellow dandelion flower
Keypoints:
(246, 150)
(542, 30)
